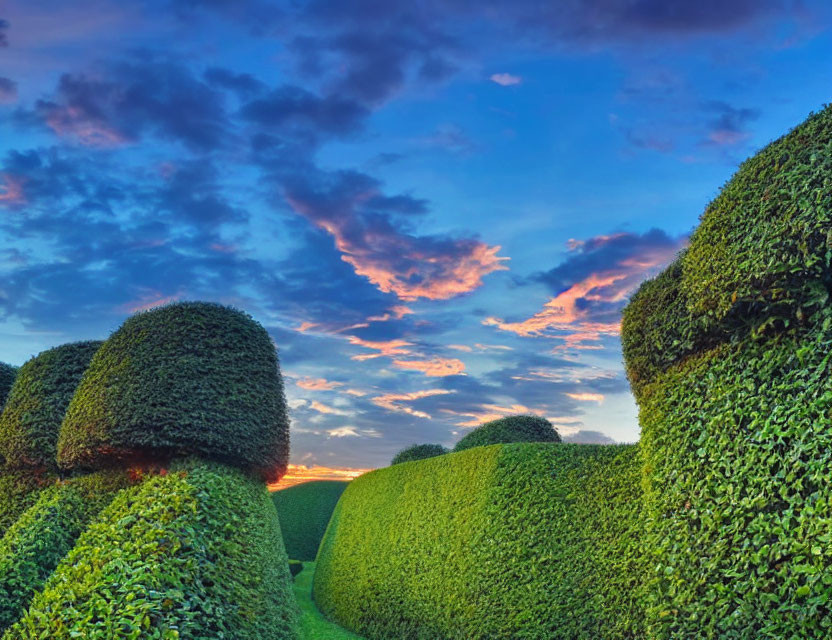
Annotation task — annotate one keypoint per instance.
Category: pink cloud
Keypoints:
(317, 384)
(393, 401)
(491, 412)
(435, 367)
(506, 79)
(387, 348)
(587, 397)
(11, 190)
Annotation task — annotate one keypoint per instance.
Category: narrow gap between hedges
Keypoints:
(313, 625)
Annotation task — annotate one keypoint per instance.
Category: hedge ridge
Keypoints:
(35, 408)
(418, 452)
(510, 429)
(194, 553)
(304, 512)
(185, 379)
(531, 540)
(19, 491)
(46, 532)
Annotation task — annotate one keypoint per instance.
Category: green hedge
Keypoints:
(305, 510)
(45, 533)
(418, 452)
(19, 490)
(195, 553)
(32, 417)
(189, 378)
(530, 540)
(7, 376)
(510, 429)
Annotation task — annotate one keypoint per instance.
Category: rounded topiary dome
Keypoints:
(31, 419)
(187, 378)
(510, 429)
(418, 452)
(7, 375)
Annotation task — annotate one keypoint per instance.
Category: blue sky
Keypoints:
(437, 209)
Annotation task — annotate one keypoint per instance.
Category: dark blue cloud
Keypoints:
(244, 84)
(4, 27)
(8, 90)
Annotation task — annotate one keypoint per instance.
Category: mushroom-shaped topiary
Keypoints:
(190, 378)
(418, 452)
(31, 419)
(7, 376)
(510, 429)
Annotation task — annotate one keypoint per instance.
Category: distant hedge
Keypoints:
(19, 490)
(188, 378)
(7, 376)
(510, 429)
(45, 533)
(418, 452)
(195, 553)
(35, 408)
(304, 511)
(530, 540)
(730, 354)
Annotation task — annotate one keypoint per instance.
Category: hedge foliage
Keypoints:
(45, 533)
(188, 378)
(194, 553)
(305, 510)
(7, 376)
(510, 429)
(35, 408)
(418, 452)
(19, 490)
(730, 354)
(529, 540)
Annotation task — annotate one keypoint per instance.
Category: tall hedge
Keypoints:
(510, 429)
(35, 408)
(418, 452)
(195, 553)
(304, 511)
(31, 549)
(7, 376)
(531, 540)
(189, 378)
(735, 408)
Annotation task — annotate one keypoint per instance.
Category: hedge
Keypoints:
(19, 491)
(305, 510)
(418, 452)
(188, 378)
(35, 408)
(45, 533)
(194, 553)
(510, 429)
(735, 410)
(7, 376)
(528, 540)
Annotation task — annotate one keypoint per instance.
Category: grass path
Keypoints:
(313, 625)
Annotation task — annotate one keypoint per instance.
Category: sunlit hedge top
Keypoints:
(418, 452)
(7, 375)
(188, 378)
(510, 429)
(759, 262)
(31, 419)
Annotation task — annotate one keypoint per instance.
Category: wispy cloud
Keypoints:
(435, 367)
(506, 79)
(393, 401)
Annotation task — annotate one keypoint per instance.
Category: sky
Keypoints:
(437, 209)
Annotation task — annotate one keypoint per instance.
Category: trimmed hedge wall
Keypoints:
(510, 429)
(45, 533)
(194, 553)
(188, 378)
(530, 540)
(32, 417)
(418, 452)
(19, 490)
(305, 510)
(7, 376)
(729, 352)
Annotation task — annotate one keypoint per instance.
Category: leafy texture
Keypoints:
(194, 553)
(189, 378)
(531, 540)
(45, 533)
(730, 355)
(19, 490)
(305, 510)
(419, 452)
(510, 429)
(7, 376)
(31, 419)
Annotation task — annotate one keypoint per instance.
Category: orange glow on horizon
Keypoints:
(300, 473)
